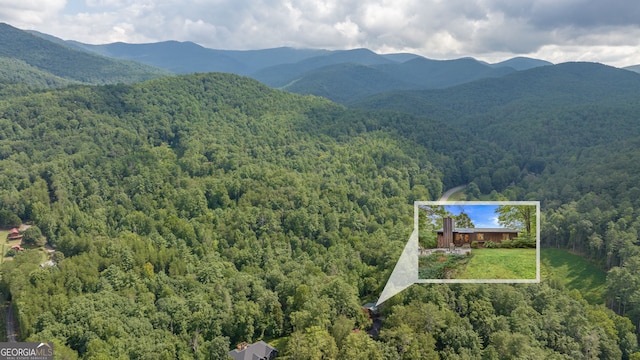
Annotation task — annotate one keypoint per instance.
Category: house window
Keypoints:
(505, 236)
(480, 236)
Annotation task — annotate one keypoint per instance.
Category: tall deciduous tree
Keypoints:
(463, 220)
(359, 346)
(314, 343)
(33, 236)
(521, 217)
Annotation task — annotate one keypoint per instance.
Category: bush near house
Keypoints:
(520, 242)
(33, 237)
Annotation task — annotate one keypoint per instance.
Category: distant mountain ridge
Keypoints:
(634, 68)
(521, 63)
(573, 82)
(308, 71)
(344, 76)
(340, 75)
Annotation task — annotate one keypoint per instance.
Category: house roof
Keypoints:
(371, 306)
(256, 351)
(481, 230)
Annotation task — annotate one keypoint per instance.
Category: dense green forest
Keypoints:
(192, 213)
(572, 130)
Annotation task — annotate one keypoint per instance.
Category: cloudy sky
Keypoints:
(606, 31)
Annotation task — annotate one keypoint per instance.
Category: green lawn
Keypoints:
(3, 236)
(501, 264)
(4, 244)
(574, 272)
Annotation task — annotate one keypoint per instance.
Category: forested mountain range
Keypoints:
(547, 112)
(190, 213)
(34, 61)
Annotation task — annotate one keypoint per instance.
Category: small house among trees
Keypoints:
(256, 351)
(449, 234)
(14, 234)
(370, 309)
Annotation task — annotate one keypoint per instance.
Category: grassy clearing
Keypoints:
(574, 272)
(500, 264)
(6, 245)
(3, 236)
(458, 196)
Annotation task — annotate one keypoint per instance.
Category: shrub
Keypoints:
(490, 245)
(427, 242)
(439, 267)
(506, 244)
(11, 253)
(474, 244)
(57, 256)
(524, 242)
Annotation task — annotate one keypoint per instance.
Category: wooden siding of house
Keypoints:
(488, 236)
(494, 237)
(440, 240)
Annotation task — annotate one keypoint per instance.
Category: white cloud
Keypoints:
(350, 31)
(29, 14)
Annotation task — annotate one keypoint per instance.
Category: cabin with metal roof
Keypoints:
(256, 351)
(14, 234)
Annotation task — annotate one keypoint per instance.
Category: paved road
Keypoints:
(10, 322)
(450, 192)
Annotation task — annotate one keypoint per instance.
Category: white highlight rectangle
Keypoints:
(417, 205)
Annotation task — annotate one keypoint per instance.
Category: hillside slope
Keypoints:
(538, 106)
(14, 71)
(177, 57)
(196, 212)
(573, 132)
(344, 83)
(214, 188)
(349, 82)
(67, 63)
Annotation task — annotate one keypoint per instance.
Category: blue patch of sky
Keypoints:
(75, 7)
(482, 216)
